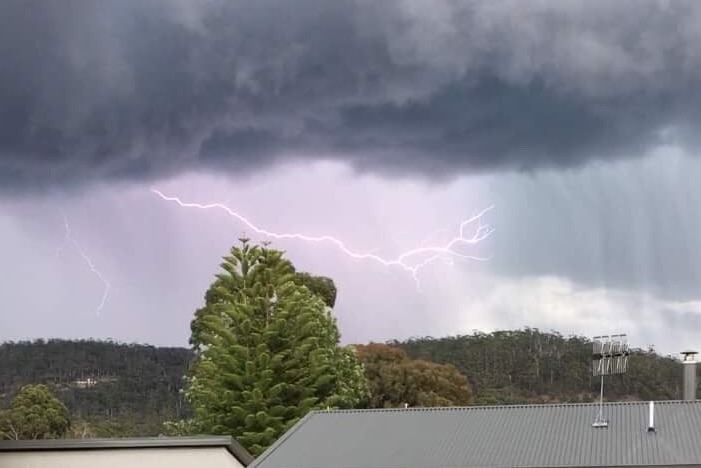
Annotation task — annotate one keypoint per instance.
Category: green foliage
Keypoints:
(319, 286)
(137, 387)
(34, 413)
(82, 429)
(267, 352)
(352, 386)
(530, 366)
(120, 389)
(122, 426)
(182, 427)
(396, 380)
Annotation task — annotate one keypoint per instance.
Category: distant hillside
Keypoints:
(530, 366)
(130, 389)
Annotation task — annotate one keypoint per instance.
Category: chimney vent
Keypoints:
(689, 365)
(651, 423)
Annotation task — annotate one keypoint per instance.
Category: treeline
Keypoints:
(131, 388)
(531, 366)
(121, 389)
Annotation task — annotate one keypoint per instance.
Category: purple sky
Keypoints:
(159, 258)
(382, 128)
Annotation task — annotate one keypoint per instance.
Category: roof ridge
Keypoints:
(504, 407)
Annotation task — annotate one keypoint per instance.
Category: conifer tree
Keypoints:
(267, 352)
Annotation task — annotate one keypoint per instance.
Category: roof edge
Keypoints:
(239, 452)
(227, 442)
(504, 407)
(282, 439)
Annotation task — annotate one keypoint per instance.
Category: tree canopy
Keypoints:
(396, 380)
(532, 366)
(137, 387)
(267, 352)
(318, 285)
(34, 413)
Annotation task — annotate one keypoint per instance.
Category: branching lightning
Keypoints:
(69, 240)
(411, 261)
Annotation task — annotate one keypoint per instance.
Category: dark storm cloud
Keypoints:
(139, 88)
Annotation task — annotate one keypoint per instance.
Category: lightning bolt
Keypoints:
(69, 240)
(411, 261)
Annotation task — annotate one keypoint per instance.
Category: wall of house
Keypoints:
(176, 457)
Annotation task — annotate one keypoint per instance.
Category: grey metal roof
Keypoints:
(499, 436)
(226, 442)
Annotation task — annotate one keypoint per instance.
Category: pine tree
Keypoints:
(267, 352)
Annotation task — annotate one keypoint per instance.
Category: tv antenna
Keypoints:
(609, 357)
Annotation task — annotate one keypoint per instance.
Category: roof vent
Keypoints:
(651, 422)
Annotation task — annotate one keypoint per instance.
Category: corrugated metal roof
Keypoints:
(499, 436)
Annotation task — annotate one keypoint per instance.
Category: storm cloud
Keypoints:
(137, 89)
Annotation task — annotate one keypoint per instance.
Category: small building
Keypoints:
(155, 452)
(630, 434)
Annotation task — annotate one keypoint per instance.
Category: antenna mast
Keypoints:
(609, 357)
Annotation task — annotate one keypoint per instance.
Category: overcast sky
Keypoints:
(384, 125)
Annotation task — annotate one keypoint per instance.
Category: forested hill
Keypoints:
(529, 366)
(130, 389)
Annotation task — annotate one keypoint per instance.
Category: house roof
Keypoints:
(499, 436)
(226, 442)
